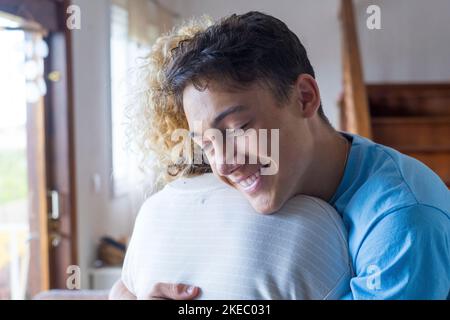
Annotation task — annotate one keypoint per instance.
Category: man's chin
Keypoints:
(264, 205)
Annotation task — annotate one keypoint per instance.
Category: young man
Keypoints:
(251, 72)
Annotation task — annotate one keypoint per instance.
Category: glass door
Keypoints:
(23, 199)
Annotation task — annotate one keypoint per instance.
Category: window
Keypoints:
(21, 90)
(120, 54)
(135, 25)
(124, 56)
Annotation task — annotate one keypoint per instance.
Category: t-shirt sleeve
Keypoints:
(405, 256)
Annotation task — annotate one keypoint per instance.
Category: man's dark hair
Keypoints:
(238, 51)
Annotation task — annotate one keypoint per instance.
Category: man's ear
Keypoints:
(307, 94)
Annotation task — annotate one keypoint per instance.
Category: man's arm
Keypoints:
(405, 256)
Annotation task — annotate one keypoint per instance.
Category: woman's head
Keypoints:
(153, 115)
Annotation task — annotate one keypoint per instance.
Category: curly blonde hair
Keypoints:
(153, 114)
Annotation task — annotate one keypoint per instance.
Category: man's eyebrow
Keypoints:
(226, 113)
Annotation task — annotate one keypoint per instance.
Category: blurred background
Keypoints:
(69, 187)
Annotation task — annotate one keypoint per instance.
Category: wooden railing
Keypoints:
(355, 117)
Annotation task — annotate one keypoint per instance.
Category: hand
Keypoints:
(173, 291)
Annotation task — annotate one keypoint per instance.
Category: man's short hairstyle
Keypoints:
(238, 51)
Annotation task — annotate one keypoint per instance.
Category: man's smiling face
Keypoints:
(253, 107)
(273, 88)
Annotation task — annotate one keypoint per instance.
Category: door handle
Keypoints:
(54, 199)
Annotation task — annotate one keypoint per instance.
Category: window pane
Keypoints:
(119, 68)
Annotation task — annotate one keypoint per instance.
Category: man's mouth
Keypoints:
(250, 183)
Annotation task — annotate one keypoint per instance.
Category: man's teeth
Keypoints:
(250, 180)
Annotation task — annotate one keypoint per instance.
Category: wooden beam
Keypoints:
(39, 277)
(355, 108)
(44, 12)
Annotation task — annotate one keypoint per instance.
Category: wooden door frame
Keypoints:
(60, 150)
(37, 199)
(59, 143)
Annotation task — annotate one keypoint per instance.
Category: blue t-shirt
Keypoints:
(397, 213)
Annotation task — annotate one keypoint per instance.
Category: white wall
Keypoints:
(413, 43)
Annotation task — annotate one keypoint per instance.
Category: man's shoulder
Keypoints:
(396, 180)
(384, 182)
(423, 184)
